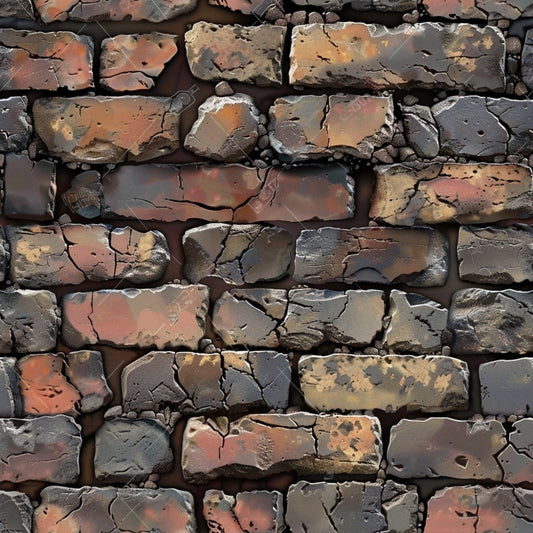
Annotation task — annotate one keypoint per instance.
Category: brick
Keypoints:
(246, 512)
(483, 321)
(88, 509)
(257, 8)
(362, 5)
(15, 124)
(309, 126)
(89, 10)
(133, 62)
(343, 382)
(416, 324)
(30, 321)
(248, 54)
(226, 128)
(516, 459)
(84, 195)
(416, 256)
(73, 253)
(443, 447)
(10, 397)
(421, 130)
(471, 508)
(298, 319)
(163, 317)
(29, 188)
(16, 512)
(507, 387)
(108, 129)
(21, 9)
(228, 193)
(45, 60)
(526, 60)
(46, 448)
(464, 193)
(192, 383)
(495, 255)
(128, 451)
(424, 55)
(260, 445)
(479, 9)
(4, 255)
(237, 253)
(351, 506)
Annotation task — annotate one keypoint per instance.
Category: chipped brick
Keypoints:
(362, 5)
(454, 192)
(421, 130)
(443, 447)
(10, 397)
(260, 445)
(257, 8)
(163, 317)
(73, 253)
(85, 194)
(527, 59)
(516, 459)
(16, 512)
(4, 254)
(479, 9)
(15, 124)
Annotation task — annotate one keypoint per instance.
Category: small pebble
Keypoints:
(223, 88)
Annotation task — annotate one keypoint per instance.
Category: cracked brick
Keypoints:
(299, 319)
(15, 124)
(257, 8)
(247, 54)
(163, 317)
(45, 60)
(479, 9)
(444, 447)
(484, 321)
(10, 397)
(527, 60)
(343, 382)
(73, 253)
(416, 256)
(309, 126)
(236, 253)
(424, 55)
(516, 459)
(421, 130)
(471, 193)
(86, 509)
(362, 5)
(16, 512)
(133, 62)
(108, 129)
(260, 445)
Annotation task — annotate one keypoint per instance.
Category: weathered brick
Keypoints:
(128, 451)
(46, 448)
(260, 445)
(309, 126)
(4, 254)
(29, 188)
(132, 62)
(84, 195)
(507, 387)
(30, 321)
(89, 10)
(192, 383)
(425, 55)
(15, 124)
(10, 397)
(91, 509)
(299, 319)
(257, 8)
(228, 193)
(163, 317)
(476, 508)
(343, 382)
(416, 324)
(73, 253)
(527, 60)
(246, 512)
(479, 9)
(108, 129)
(464, 193)
(421, 130)
(362, 5)
(21, 9)
(416, 256)
(237, 253)
(516, 459)
(45, 60)
(248, 54)
(16, 512)
(495, 255)
(443, 447)
(483, 321)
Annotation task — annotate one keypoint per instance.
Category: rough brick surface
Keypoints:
(362, 5)
(463, 193)
(10, 396)
(527, 57)
(421, 130)
(483, 321)
(4, 255)
(120, 510)
(108, 129)
(192, 383)
(415, 256)
(443, 447)
(22, 9)
(299, 319)
(249, 54)
(479, 9)
(164, 317)
(15, 124)
(426, 55)
(517, 457)
(342, 382)
(16, 512)
(259, 445)
(73, 253)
